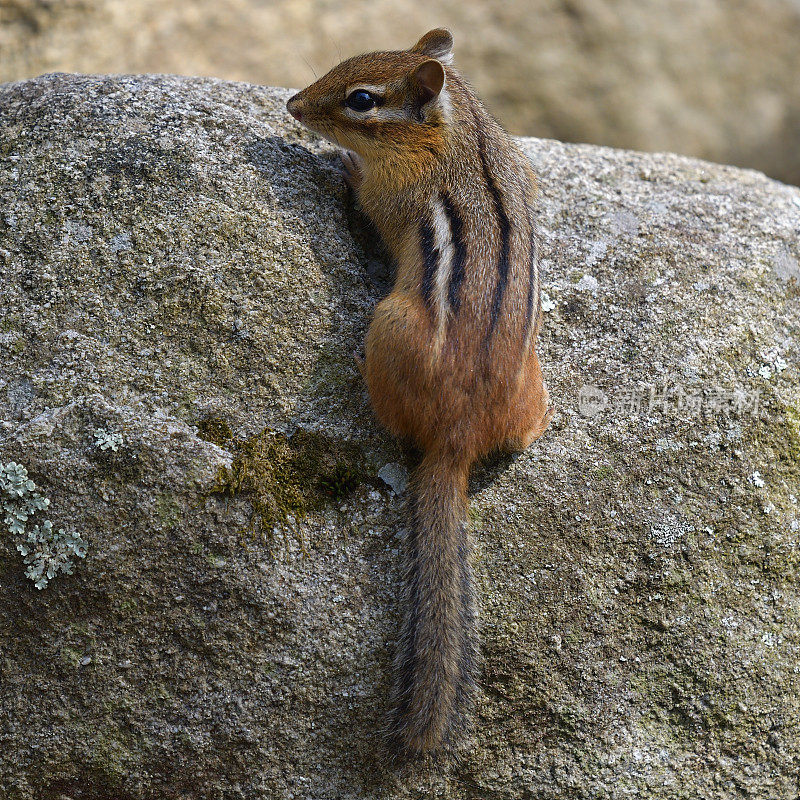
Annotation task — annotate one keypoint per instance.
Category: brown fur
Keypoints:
(459, 381)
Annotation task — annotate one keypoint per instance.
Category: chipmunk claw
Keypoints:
(352, 169)
(359, 359)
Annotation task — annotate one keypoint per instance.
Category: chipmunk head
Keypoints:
(382, 103)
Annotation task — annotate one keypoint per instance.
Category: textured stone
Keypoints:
(182, 266)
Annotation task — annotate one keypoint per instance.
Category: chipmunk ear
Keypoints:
(429, 79)
(437, 44)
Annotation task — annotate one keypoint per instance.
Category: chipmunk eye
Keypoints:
(360, 100)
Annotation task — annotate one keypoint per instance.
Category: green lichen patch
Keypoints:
(112, 455)
(286, 477)
(46, 551)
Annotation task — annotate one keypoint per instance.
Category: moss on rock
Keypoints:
(286, 477)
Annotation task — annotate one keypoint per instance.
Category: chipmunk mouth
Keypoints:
(297, 107)
(330, 135)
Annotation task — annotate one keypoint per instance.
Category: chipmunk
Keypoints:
(450, 360)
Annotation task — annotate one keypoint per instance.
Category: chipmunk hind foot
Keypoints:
(521, 442)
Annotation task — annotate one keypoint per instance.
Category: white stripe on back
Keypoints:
(443, 242)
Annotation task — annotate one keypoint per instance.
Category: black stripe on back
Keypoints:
(430, 261)
(505, 243)
(458, 266)
(505, 227)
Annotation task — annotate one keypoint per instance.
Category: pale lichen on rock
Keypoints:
(182, 264)
(46, 551)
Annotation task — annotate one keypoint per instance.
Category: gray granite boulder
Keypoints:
(184, 281)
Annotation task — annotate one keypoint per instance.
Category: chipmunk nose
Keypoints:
(294, 105)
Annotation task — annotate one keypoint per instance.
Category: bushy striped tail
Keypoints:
(436, 661)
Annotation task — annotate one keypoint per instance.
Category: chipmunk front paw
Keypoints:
(360, 363)
(352, 169)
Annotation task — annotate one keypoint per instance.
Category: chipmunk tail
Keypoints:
(437, 655)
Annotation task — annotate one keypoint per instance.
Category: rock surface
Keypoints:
(710, 78)
(182, 266)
